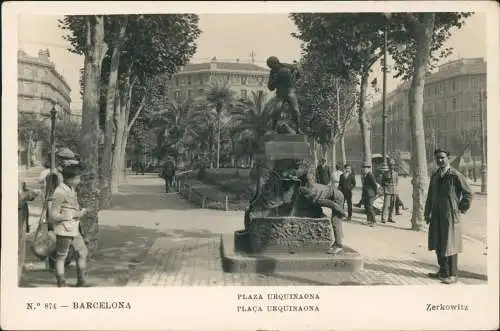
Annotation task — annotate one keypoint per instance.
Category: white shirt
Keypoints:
(337, 174)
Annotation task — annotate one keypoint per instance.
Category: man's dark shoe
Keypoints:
(391, 221)
(398, 213)
(436, 275)
(357, 205)
(382, 221)
(372, 224)
(449, 280)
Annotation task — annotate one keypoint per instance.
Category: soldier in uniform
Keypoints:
(390, 186)
(282, 78)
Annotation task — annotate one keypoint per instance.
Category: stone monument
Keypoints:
(283, 231)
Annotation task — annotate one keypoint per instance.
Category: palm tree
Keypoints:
(176, 125)
(219, 96)
(250, 119)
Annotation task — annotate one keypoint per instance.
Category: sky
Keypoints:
(227, 37)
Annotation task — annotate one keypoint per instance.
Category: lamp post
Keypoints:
(53, 115)
(484, 168)
(384, 104)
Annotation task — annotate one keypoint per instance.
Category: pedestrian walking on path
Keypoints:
(168, 173)
(448, 197)
(369, 193)
(390, 184)
(347, 183)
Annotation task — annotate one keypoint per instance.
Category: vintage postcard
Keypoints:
(250, 165)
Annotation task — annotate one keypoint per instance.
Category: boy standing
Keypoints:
(347, 183)
(65, 213)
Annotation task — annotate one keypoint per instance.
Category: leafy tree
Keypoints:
(417, 41)
(350, 44)
(327, 102)
(166, 42)
(220, 97)
(30, 130)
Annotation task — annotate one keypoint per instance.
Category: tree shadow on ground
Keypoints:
(385, 268)
(460, 273)
(149, 200)
(121, 248)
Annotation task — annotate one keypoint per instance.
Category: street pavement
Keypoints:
(150, 238)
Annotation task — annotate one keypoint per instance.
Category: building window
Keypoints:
(177, 95)
(201, 91)
(435, 89)
(189, 80)
(454, 84)
(243, 94)
(454, 103)
(475, 101)
(190, 93)
(475, 83)
(243, 80)
(176, 81)
(200, 79)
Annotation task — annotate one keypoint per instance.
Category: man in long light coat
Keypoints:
(448, 197)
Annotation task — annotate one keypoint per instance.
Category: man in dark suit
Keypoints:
(323, 173)
(369, 193)
(390, 184)
(347, 182)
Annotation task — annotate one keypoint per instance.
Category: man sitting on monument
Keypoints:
(282, 78)
(330, 197)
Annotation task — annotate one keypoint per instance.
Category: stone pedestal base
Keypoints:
(289, 234)
(236, 260)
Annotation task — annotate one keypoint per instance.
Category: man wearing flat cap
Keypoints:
(448, 197)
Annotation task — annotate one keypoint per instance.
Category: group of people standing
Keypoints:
(448, 197)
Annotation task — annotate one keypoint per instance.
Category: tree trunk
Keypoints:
(334, 152)
(342, 149)
(364, 120)
(115, 160)
(423, 33)
(315, 153)
(89, 188)
(107, 155)
(218, 139)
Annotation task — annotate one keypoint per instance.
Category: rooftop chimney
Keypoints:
(237, 60)
(44, 54)
(213, 59)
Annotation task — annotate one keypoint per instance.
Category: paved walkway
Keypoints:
(150, 238)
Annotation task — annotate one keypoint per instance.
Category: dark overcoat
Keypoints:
(448, 197)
